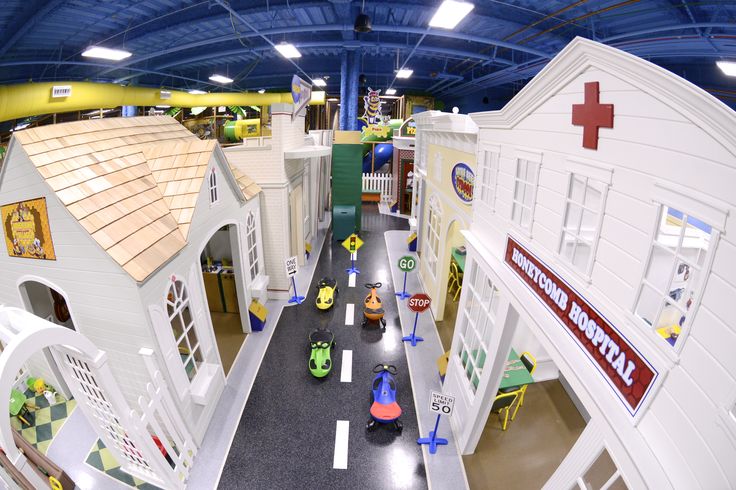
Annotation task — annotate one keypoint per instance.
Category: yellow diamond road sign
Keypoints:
(352, 243)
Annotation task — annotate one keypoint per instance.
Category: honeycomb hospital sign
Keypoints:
(626, 371)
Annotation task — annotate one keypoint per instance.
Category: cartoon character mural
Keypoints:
(26, 227)
(372, 104)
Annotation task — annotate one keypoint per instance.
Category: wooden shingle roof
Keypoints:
(132, 183)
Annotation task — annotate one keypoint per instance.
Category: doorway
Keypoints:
(296, 207)
(224, 286)
(450, 289)
(548, 421)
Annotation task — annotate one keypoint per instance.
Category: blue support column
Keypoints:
(352, 102)
(343, 91)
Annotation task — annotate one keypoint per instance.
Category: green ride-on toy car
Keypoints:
(321, 342)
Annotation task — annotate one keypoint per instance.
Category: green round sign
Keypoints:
(407, 263)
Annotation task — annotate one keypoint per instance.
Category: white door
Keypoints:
(483, 332)
(297, 223)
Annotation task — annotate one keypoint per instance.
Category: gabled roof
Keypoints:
(132, 183)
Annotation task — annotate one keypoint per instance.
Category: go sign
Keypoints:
(407, 263)
(441, 403)
(419, 302)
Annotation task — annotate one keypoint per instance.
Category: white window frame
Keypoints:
(589, 171)
(487, 181)
(434, 228)
(690, 203)
(175, 302)
(251, 240)
(476, 324)
(532, 186)
(212, 185)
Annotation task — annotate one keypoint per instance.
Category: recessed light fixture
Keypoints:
(390, 91)
(163, 106)
(106, 53)
(320, 82)
(450, 13)
(288, 50)
(727, 67)
(262, 91)
(197, 92)
(404, 73)
(332, 99)
(221, 79)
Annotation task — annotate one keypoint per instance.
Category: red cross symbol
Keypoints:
(592, 115)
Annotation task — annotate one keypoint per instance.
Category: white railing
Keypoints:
(379, 182)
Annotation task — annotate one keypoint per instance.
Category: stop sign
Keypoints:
(419, 302)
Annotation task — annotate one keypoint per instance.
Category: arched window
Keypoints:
(252, 241)
(183, 328)
(432, 243)
(214, 197)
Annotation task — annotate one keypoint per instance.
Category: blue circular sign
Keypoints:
(463, 181)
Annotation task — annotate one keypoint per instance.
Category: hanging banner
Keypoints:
(629, 374)
(26, 228)
(301, 93)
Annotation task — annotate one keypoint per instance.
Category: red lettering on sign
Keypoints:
(627, 371)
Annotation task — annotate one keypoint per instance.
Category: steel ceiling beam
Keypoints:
(25, 25)
(330, 28)
(673, 27)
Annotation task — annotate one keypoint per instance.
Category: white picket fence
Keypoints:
(379, 182)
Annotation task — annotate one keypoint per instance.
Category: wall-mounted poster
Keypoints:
(26, 228)
(463, 181)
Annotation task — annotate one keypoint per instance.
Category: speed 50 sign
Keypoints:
(441, 403)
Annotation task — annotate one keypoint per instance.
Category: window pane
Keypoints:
(668, 234)
(495, 301)
(198, 356)
(592, 196)
(186, 316)
(184, 350)
(521, 169)
(474, 383)
(191, 370)
(480, 359)
(572, 217)
(528, 195)
(697, 234)
(589, 224)
(602, 469)
(660, 268)
(577, 188)
(519, 191)
(582, 255)
(516, 213)
(531, 172)
(526, 218)
(177, 327)
(649, 302)
(193, 340)
(568, 246)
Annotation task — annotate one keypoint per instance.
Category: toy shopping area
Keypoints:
(592, 330)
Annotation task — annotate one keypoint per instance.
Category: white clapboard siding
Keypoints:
(378, 182)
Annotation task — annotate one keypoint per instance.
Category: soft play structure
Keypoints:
(376, 156)
(242, 128)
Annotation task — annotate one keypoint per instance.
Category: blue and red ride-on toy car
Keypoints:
(384, 409)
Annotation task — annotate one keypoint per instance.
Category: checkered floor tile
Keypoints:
(101, 459)
(45, 421)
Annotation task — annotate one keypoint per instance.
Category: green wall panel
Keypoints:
(347, 177)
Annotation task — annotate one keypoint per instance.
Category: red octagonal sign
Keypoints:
(419, 302)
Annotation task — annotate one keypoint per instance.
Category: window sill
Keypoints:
(203, 385)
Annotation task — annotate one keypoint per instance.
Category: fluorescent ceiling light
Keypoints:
(727, 67)
(390, 91)
(320, 82)
(288, 50)
(197, 92)
(21, 126)
(221, 79)
(333, 99)
(450, 13)
(163, 106)
(106, 53)
(262, 91)
(404, 73)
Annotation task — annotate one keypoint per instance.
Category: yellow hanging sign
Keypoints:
(26, 228)
(352, 243)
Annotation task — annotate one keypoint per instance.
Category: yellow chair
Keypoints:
(530, 362)
(502, 404)
(456, 280)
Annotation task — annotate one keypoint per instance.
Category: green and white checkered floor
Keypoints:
(45, 421)
(100, 458)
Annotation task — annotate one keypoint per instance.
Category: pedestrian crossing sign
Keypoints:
(352, 243)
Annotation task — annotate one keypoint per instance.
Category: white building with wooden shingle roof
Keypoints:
(106, 224)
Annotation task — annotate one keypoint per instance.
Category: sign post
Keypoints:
(352, 244)
(291, 270)
(442, 405)
(407, 264)
(417, 303)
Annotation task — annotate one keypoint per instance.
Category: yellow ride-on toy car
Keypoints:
(326, 296)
